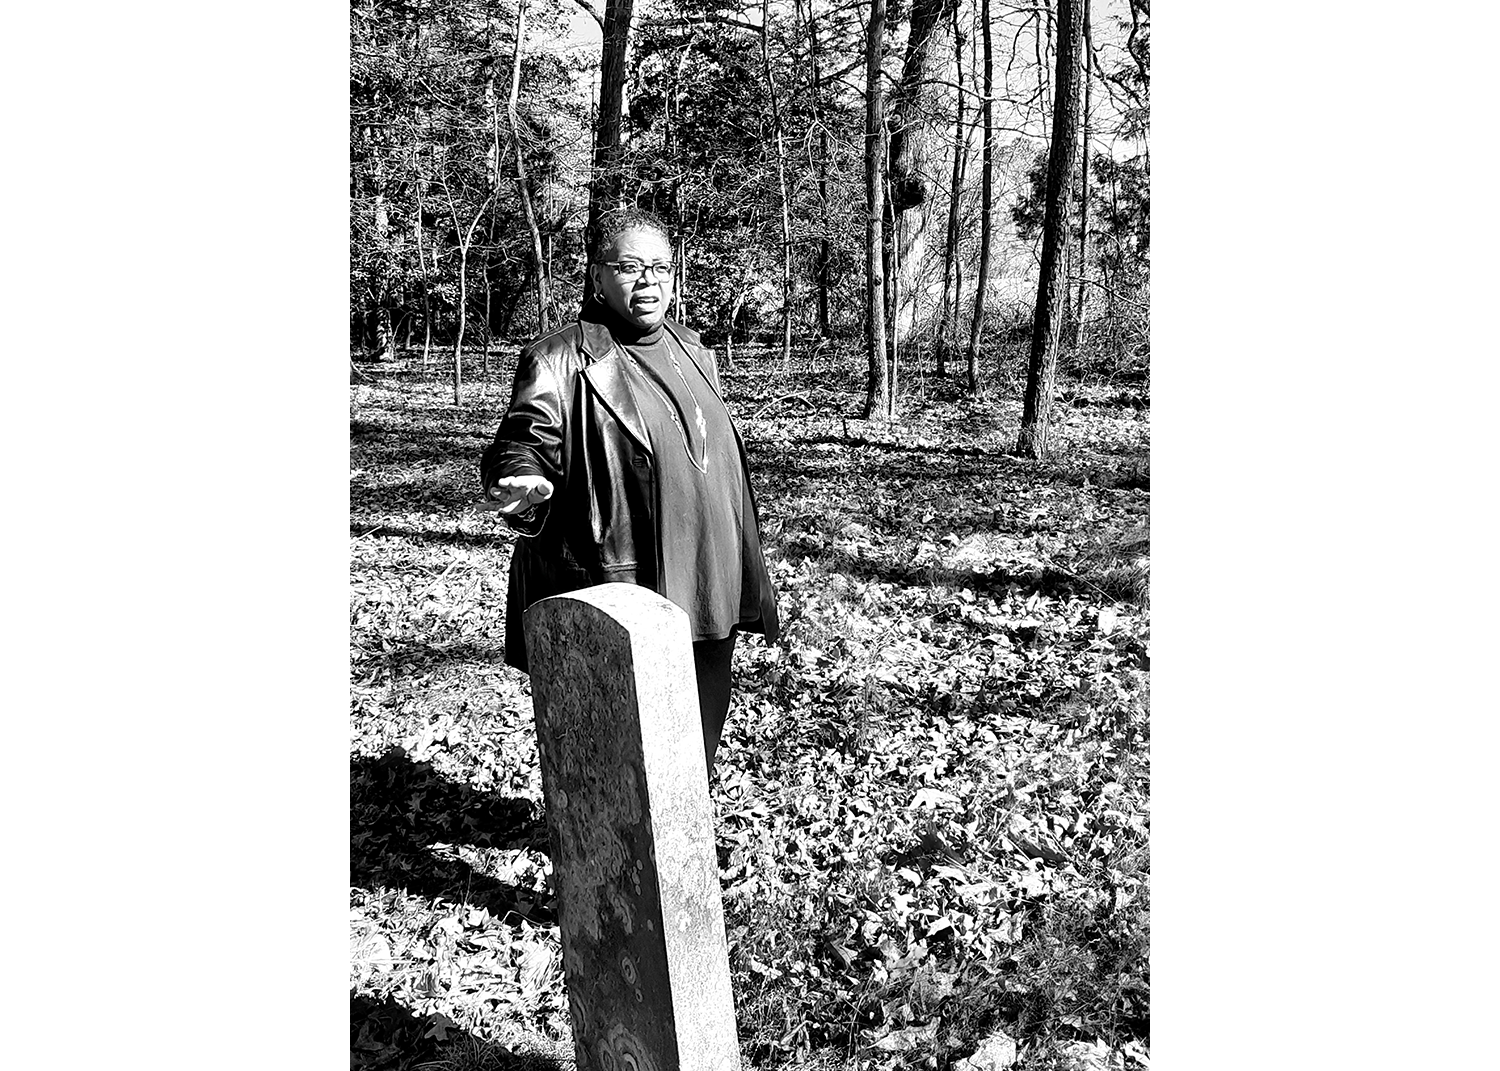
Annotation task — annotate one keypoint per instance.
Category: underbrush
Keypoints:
(932, 796)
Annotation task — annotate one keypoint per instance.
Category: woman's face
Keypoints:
(628, 283)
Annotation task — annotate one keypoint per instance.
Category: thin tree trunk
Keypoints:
(492, 104)
(786, 210)
(426, 286)
(951, 268)
(419, 183)
(987, 201)
(679, 251)
(604, 190)
(893, 327)
(734, 312)
(1043, 43)
(1113, 308)
(1081, 309)
(825, 244)
(875, 396)
(383, 340)
(821, 269)
(1051, 298)
(888, 269)
(523, 184)
(484, 357)
(463, 268)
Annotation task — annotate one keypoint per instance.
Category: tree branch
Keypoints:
(598, 16)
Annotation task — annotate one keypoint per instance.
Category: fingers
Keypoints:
(514, 493)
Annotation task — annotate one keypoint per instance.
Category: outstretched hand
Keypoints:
(512, 494)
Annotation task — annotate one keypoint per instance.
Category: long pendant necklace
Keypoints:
(671, 407)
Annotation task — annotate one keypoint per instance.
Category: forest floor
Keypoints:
(931, 801)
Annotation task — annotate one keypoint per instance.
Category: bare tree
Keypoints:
(604, 190)
(1051, 296)
(465, 240)
(523, 187)
(913, 104)
(875, 395)
(781, 182)
(952, 268)
(419, 227)
(987, 202)
(1081, 306)
(822, 266)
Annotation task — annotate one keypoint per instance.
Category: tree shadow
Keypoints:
(885, 462)
(501, 537)
(385, 1035)
(1046, 581)
(399, 808)
(407, 658)
(431, 491)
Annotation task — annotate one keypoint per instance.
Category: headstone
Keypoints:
(626, 788)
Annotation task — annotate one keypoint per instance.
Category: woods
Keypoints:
(487, 137)
(916, 233)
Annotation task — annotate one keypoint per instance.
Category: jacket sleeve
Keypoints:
(530, 440)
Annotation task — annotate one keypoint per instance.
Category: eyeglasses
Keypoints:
(628, 271)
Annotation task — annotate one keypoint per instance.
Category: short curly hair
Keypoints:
(616, 223)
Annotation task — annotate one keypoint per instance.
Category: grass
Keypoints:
(932, 796)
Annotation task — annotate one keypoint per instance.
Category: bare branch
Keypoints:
(588, 6)
(709, 20)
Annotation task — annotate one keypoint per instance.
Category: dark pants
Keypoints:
(712, 660)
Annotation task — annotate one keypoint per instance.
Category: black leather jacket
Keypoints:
(573, 419)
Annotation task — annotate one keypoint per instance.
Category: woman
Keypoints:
(617, 461)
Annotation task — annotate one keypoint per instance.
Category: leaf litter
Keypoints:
(932, 797)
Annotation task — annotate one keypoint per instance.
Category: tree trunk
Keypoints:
(737, 303)
(383, 339)
(888, 271)
(1043, 43)
(1041, 369)
(875, 395)
(420, 229)
(915, 100)
(893, 345)
(825, 244)
(378, 319)
(821, 268)
(786, 209)
(523, 187)
(604, 190)
(987, 200)
(952, 272)
(464, 242)
(677, 221)
(1081, 306)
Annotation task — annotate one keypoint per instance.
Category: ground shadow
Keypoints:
(409, 657)
(399, 808)
(499, 538)
(385, 1035)
(1047, 581)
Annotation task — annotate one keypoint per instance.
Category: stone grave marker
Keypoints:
(628, 814)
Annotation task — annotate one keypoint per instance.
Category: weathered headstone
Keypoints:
(628, 813)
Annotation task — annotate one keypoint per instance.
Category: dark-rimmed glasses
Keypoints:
(628, 271)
